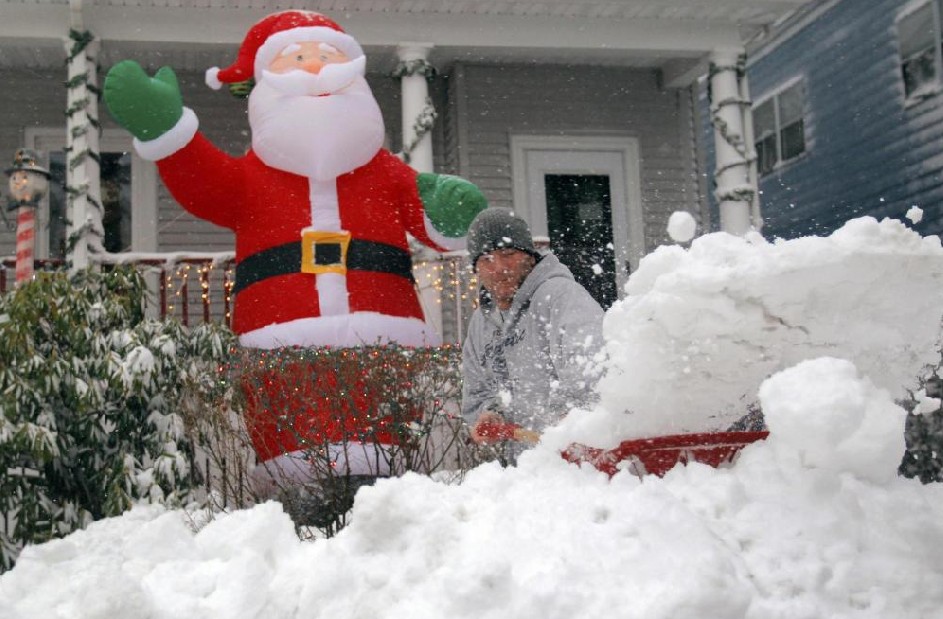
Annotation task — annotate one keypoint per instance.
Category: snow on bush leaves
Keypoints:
(90, 392)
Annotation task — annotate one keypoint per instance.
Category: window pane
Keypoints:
(919, 71)
(764, 119)
(793, 140)
(918, 40)
(790, 104)
(57, 205)
(579, 221)
(766, 154)
(116, 198)
(916, 32)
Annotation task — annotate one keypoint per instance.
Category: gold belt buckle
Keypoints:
(324, 252)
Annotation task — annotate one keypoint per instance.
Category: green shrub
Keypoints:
(91, 393)
(924, 434)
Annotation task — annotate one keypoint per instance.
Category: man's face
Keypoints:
(309, 56)
(502, 272)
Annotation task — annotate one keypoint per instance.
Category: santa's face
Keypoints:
(312, 68)
(310, 56)
(312, 113)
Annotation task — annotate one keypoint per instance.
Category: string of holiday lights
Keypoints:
(297, 398)
(205, 285)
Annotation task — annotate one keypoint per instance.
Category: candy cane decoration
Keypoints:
(25, 236)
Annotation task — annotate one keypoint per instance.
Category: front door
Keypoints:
(579, 222)
(582, 194)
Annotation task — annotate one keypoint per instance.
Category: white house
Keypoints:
(581, 115)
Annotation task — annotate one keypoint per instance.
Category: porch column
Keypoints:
(82, 169)
(731, 116)
(418, 116)
(750, 141)
(417, 109)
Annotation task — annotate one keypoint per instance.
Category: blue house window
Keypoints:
(779, 126)
(918, 33)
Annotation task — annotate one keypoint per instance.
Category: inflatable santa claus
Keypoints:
(319, 209)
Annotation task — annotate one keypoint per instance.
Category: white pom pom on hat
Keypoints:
(212, 78)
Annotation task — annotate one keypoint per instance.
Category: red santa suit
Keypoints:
(321, 260)
(364, 292)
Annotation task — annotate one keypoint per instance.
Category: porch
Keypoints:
(196, 287)
(510, 95)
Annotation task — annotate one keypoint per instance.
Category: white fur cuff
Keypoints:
(447, 243)
(170, 142)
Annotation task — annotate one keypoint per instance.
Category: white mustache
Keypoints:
(331, 79)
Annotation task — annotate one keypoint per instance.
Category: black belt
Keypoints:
(285, 259)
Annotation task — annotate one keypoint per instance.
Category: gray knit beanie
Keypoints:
(497, 228)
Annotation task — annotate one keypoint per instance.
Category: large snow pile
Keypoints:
(702, 328)
(811, 523)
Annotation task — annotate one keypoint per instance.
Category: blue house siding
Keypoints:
(867, 151)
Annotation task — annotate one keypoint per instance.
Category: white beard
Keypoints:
(319, 137)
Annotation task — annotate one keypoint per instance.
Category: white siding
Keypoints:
(503, 99)
(479, 107)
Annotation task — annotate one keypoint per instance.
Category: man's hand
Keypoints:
(148, 107)
(480, 429)
(451, 202)
(491, 428)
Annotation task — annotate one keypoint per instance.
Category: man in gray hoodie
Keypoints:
(528, 356)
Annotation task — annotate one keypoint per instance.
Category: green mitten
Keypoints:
(451, 202)
(148, 107)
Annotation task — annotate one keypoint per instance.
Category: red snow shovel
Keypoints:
(660, 454)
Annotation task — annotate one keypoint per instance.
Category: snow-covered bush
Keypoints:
(90, 398)
(391, 409)
(924, 432)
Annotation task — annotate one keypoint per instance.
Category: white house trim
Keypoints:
(143, 185)
(578, 154)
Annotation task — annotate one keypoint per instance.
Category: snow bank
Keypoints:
(701, 328)
(821, 414)
(795, 530)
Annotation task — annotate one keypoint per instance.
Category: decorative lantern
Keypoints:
(28, 184)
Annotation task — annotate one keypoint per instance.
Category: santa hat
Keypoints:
(271, 35)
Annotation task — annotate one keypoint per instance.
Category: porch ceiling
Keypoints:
(672, 35)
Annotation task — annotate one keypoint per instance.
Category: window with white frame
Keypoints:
(779, 127)
(918, 35)
(126, 180)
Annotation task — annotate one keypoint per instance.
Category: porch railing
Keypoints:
(197, 287)
(190, 287)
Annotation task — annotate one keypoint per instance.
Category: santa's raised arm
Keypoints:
(319, 209)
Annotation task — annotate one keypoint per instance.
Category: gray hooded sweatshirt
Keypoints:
(531, 365)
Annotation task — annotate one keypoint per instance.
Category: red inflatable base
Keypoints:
(658, 455)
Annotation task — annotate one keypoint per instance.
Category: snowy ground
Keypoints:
(811, 523)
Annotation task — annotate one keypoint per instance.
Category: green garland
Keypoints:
(80, 43)
(423, 124)
(736, 141)
(425, 121)
(241, 90)
(409, 68)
